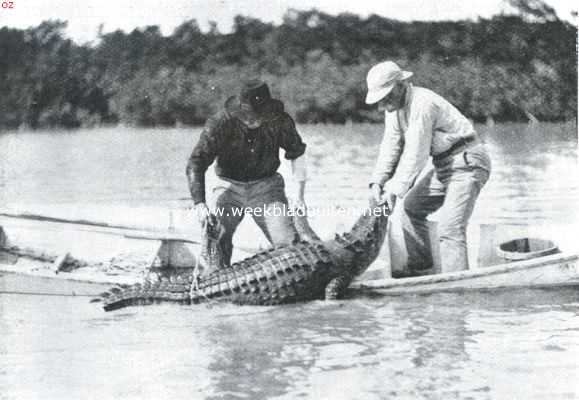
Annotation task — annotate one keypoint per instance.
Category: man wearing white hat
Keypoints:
(419, 124)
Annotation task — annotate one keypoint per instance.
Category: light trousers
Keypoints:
(452, 186)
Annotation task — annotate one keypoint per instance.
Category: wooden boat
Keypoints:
(31, 273)
(546, 271)
(42, 255)
(515, 263)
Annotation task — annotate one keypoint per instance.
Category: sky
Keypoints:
(85, 16)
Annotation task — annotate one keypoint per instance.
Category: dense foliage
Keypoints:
(507, 68)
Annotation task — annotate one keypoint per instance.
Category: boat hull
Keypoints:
(549, 271)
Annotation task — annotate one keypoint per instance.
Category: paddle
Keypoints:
(134, 232)
(128, 231)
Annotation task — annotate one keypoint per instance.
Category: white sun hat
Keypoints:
(381, 79)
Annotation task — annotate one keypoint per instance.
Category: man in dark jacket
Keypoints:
(244, 139)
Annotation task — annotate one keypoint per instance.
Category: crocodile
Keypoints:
(308, 269)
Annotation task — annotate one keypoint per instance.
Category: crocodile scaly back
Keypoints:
(301, 271)
(287, 274)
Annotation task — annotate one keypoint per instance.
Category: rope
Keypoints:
(194, 287)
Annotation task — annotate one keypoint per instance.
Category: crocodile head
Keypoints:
(363, 242)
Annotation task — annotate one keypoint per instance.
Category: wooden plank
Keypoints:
(14, 283)
(45, 218)
(162, 236)
(129, 232)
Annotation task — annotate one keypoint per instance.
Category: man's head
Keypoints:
(386, 85)
(252, 103)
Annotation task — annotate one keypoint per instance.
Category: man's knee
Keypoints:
(227, 226)
(283, 231)
(280, 228)
(452, 231)
(413, 209)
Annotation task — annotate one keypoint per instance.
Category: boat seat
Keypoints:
(176, 254)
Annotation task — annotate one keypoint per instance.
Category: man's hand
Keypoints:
(382, 196)
(203, 214)
(389, 198)
(376, 192)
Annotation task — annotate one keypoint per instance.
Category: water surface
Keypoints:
(517, 345)
(520, 344)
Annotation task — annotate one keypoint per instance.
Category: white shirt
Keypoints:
(426, 125)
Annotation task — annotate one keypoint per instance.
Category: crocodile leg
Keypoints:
(337, 287)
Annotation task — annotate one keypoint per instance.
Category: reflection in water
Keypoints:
(479, 346)
(246, 353)
(268, 358)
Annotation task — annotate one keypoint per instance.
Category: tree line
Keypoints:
(509, 67)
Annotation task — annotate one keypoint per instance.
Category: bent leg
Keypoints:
(423, 199)
(269, 196)
(229, 213)
(462, 192)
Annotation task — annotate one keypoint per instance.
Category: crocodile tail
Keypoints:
(170, 290)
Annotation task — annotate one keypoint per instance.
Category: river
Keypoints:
(504, 345)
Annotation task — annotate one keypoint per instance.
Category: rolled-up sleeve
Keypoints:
(417, 142)
(203, 155)
(299, 169)
(390, 150)
(291, 140)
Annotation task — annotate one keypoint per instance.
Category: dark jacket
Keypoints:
(242, 154)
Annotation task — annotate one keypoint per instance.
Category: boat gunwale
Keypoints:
(387, 283)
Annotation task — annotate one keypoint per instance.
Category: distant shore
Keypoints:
(507, 68)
